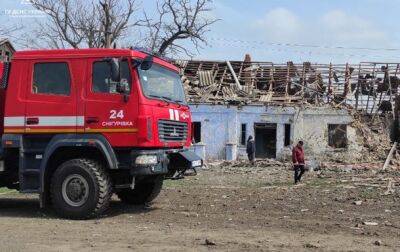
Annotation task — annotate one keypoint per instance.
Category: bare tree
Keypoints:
(3, 32)
(178, 20)
(8, 31)
(77, 23)
(100, 23)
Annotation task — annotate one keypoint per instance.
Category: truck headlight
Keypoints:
(146, 160)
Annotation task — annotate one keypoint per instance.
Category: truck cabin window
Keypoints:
(160, 83)
(51, 78)
(102, 82)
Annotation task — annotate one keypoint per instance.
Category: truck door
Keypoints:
(50, 109)
(51, 99)
(107, 111)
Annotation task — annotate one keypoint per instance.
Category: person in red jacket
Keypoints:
(298, 161)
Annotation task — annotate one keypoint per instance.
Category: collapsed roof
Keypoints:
(369, 87)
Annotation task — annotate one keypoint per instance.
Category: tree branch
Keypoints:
(178, 20)
(90, 23)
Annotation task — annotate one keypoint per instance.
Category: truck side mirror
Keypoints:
(147, 63)
(115, 70)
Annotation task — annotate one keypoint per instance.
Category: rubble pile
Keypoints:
(374, 136)
(371, 142)
(334, 166)
(260, 163)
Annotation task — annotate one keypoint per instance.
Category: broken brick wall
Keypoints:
(312, 125)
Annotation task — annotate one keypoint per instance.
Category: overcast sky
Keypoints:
(289, 30)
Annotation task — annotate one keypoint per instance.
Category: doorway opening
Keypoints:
(265, 138)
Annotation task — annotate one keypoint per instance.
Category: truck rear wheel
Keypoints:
(80, 189)
(145, 191)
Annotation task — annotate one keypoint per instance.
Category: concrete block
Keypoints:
(231, 151)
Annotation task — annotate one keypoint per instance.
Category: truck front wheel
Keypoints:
(145, 191)
(80, 189)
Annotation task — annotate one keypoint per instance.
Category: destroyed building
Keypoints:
(280, 104)
(6, 50)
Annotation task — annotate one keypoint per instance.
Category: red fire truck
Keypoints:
(80, 125)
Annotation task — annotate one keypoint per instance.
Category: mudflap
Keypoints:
(2, 169)
(183, 164)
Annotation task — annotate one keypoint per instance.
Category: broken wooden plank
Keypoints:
(389, 157)
(357, 92)
(266, 98)
(228, 63)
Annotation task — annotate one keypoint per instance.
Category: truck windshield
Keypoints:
(160, 83)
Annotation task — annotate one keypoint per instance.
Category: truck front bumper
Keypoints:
(158, 162)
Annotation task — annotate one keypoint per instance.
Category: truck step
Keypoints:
(125, 186)
(30, 191)
(33, 151)
(31, 172)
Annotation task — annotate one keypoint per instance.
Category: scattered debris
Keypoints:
(390, 155)
(309, 245)
(378, 243)
(357, 203)
(374, 137)
(245, 163)
(270, 189)
(370, 223)
(333, 166)
(390, 188)
(209, 243)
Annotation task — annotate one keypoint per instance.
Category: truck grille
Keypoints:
(172, 131)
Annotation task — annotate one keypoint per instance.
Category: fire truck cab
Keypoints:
(78, 125)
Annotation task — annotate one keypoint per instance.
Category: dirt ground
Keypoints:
(234, 208)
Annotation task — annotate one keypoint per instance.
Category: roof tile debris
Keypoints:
(369, 87)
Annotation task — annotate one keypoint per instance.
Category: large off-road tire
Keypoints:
(80, 189)
(145, 191)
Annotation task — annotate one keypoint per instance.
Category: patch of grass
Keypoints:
(260, 183)
(322, 182)
(369, 193)
(199, 181)
(179, 183)
(4, 190)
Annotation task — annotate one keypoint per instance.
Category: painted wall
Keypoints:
(314, 130)
(221, 126)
